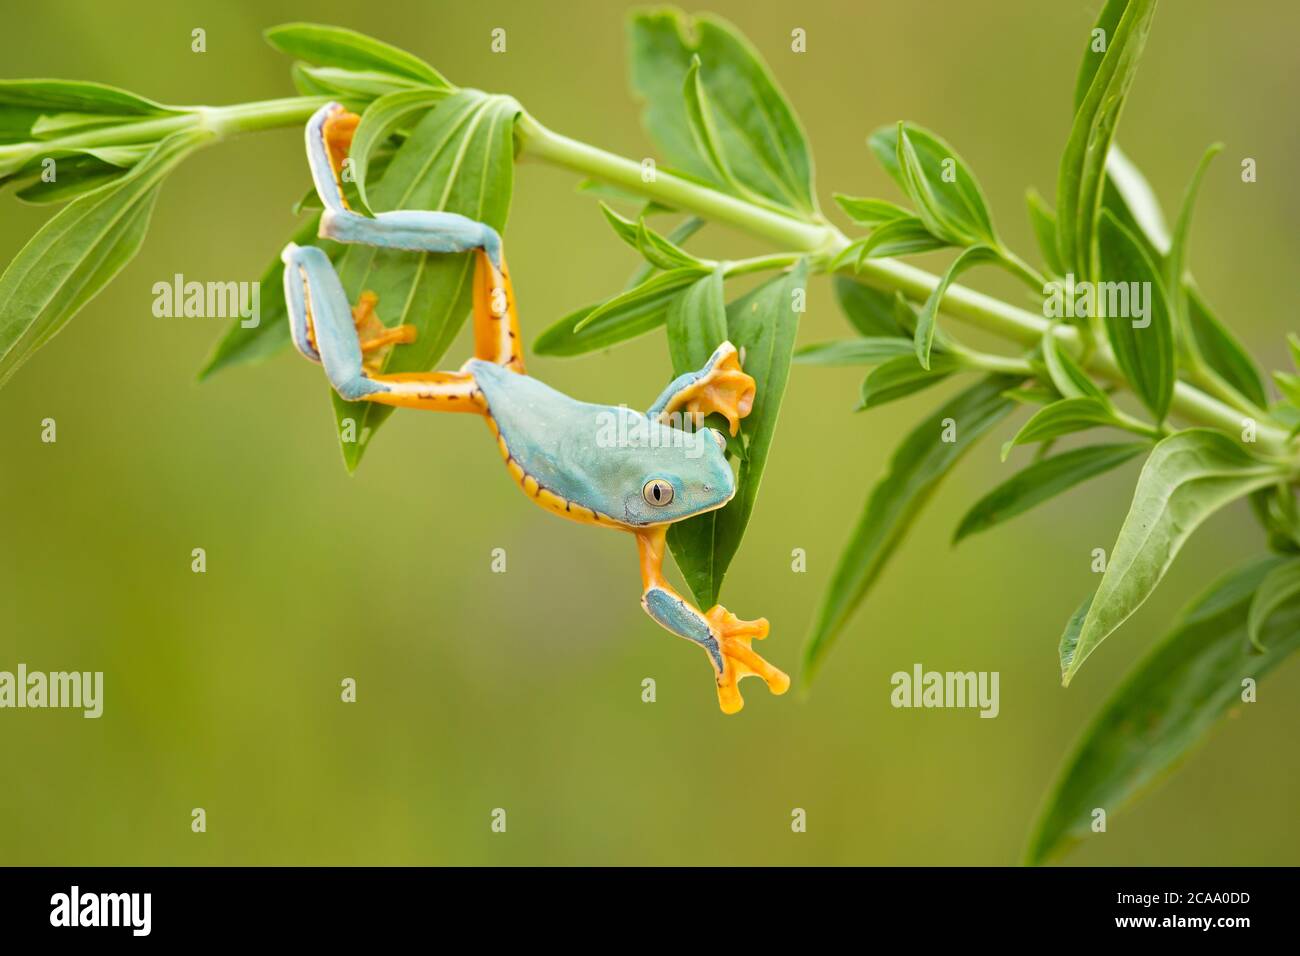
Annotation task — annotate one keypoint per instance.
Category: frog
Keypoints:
(601, 465)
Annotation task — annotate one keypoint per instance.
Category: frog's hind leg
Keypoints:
(325, 329)
(496, 319)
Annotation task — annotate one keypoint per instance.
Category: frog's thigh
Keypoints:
(430, 391)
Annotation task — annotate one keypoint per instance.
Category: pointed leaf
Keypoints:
(899, 377)
(1144, 347)
(929, 315)
(1041, 481)
(334, 46)
(79, 251)
(381, 119)
(914, 472)
(1083, 164)
(756, 130)
(1222, 350)
(870, 212)
(1281, 586)
(764, 324)
(940, 184)
(869, 310)
(866, 351)
(1189, 476)
(1043, 221)
(1065, 417)
(1165, 706)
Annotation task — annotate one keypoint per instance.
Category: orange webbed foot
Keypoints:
(725, 388)
(377, 340)
(734, 636)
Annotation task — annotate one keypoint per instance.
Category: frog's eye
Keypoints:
(657, 492)
(720, 438)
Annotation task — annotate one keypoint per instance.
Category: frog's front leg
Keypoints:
(720, 386)
(724, 637)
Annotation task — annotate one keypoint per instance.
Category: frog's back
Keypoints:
(550, 441)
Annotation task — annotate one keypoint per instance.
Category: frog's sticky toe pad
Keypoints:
(734, 636)
(724, 388)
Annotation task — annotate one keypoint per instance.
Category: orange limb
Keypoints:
(730, 635)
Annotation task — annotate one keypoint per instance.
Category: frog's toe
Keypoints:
(740, 659)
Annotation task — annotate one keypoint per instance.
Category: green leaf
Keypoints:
(1066, 374)
(1222, 350)
(1043, 221)
(763, 323)
(697, 323)
(1175, 265)
(870, 212)
(1129, 197)
(1107, 22)
(334, 46)
(1083, 164)
(381, 119)
(1042, 480)
(1164, 707)
(913, 474)
(610, 329)
(869, 310)
(898, 237)
(1145, 353)
(1289, 386)
(1032, 395)
(704, 127)
(243, 346)
(562, 339)
(353, 85)
(1280, 587)
(865, 351)
(899, 377)
(458, 158)
(74, 96)
(79, 251)
(1189, 476)
(658, 251)
(756, 131)
(939, 183)
(1069, 642)
(81, 173)
(929, 315)
(657, 287)
(1065, 417)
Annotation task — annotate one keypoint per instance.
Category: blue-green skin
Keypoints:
(602, 456)
(598, 456)
(564, 444)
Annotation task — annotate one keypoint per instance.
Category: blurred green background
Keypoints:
(522, 690)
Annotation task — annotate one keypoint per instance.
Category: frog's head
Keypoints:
(680, 481)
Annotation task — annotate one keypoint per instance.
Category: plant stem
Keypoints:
(823, 240)
(818, 239)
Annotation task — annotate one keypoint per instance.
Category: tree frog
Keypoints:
(602, 465)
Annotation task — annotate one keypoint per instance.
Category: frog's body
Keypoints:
(591, 462)
(598, 464)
